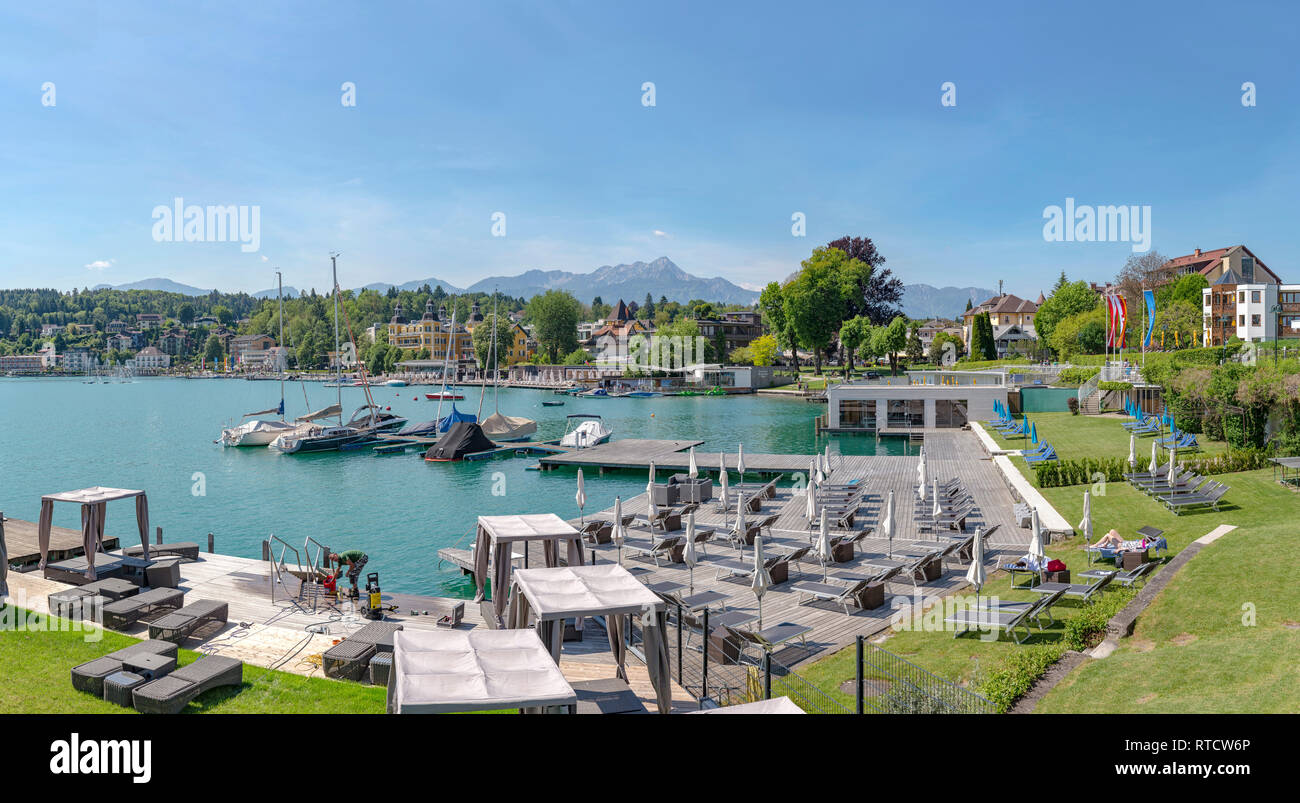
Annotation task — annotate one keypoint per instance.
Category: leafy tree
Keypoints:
(483, 342)
(914, 350)
(223, 315)
(815, 301)
(877, 293)
(1081, 333)
(763, 350)
(1178, 324)
(648, 308)
(889, 340)
(854, 334)
(1071, 299)
(771, 303)
(185, 314)
(1186, 289)
(937, 347)
(554, 315)
(576, 357)
(214, 350)
(741, 356)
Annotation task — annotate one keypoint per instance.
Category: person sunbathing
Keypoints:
(1113, 541)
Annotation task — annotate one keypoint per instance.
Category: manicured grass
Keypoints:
(1194, 648)
(36, 666)
(1191, 650)
(1095, 436)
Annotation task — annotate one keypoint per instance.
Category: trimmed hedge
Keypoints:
(1229, 462)
(1077, 375)
(1079, 472)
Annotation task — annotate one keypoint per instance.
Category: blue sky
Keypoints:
(534, 110)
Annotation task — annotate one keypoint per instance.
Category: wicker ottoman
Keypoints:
(165, 573)
(347, 660)
(380, 665)
(119, 685)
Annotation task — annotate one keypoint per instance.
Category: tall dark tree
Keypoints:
(880, 293)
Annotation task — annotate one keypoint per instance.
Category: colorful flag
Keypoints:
(1151, 316)
(1123, 320)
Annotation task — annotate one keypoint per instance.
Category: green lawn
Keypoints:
(36, 667)
(1096, 436)
(1190, 650)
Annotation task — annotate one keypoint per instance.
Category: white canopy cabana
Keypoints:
(446, 671)
(498, 534)
(94, 502)
(547, 597)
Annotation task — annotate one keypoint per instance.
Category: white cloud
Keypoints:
(264, 258)
(661, 234)
(101, 264)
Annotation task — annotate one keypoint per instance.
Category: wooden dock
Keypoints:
(24, 547)
(950, 454)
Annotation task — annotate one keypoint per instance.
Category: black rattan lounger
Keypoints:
(178, 626)
(121, 614)
(89, 677)
(170, 694)
(181, 549)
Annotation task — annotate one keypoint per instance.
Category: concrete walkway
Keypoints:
(1048, 516)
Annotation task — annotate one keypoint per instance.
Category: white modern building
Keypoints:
(921, 400)
(1252, 312)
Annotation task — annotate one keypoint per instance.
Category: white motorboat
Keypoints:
(256, 432)
(585, 429)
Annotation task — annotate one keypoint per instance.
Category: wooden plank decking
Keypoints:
(24, 547)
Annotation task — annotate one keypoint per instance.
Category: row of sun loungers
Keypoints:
(1187, 490)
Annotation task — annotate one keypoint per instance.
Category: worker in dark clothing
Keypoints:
(354, 560)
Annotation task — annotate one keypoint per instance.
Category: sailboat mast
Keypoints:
(279, 295)
(338, 358)
(496, 359)
(451, 333)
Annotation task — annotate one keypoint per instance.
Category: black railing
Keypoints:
(890, 684)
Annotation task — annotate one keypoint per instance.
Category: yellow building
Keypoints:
(513, 341)
(430, 332)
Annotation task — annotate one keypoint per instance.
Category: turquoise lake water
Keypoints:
(157, 434)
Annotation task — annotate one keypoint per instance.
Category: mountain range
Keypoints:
(630, 282)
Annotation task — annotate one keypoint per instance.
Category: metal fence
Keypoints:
(885, 682)
(890, 684)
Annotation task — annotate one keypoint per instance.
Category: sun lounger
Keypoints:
(597, 532)
(1211, 498)
(1080, 591)
(121, 614)
(653, 549)
(917, 569)
(89, 677)
(181, 549)
(170, 694)
(182, 623)
(866, 593)
(768, 639)
(1005, 621)
(1043, 605)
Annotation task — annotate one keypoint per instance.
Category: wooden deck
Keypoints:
(24, 547)
(951, 453)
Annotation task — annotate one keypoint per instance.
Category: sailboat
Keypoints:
(260, 432)
(359, 431)
(501, 428)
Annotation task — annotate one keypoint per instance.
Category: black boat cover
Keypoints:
(463, 438)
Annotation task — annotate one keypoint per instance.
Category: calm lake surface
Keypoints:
(157, 435)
